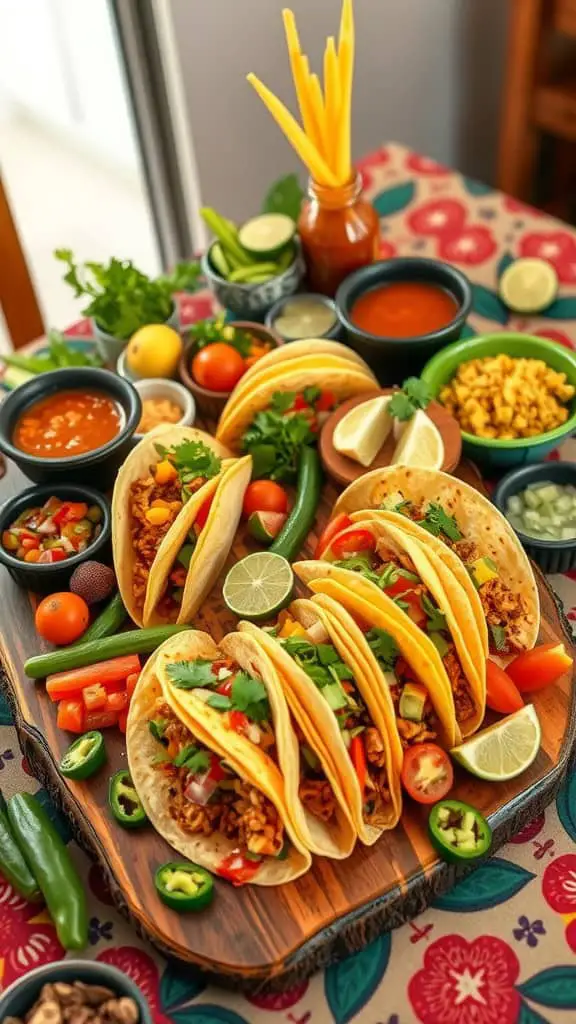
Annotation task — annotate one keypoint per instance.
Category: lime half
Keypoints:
(505, 749)
(528, 285)
(258, 586)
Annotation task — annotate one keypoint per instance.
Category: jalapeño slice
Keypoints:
(182, 885)
(84, 757)
(124, 801)
(458, 831)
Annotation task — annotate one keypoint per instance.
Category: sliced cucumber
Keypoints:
(267, 235)
(219, 261)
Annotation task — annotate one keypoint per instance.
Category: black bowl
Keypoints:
(550, 555)
(394, 359)
(98, 467)
(21, 995)
(55, 576)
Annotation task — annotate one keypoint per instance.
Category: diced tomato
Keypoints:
(103, 719)
(52, 555)
(237, 869)
(28, 543)
(358, 757)
(71, 716)
(131, 683)
(353, 542)
(427, 773)
(117, 701)
(203, 512)
(300, 403)
(501, 693)
(225, 688)
(403, 589)
(326, 401)
(94, 697)
(334, 527)
(238, 721)
(540, 667)
(123, 720)
(178, 576)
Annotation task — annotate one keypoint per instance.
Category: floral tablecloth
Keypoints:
(500, 948)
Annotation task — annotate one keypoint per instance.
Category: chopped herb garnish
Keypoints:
(191, 459)
(220, 702)
(187, 675)
(276, 437)
(249, 695)
(402, 507)
(437, 521)
(282, 401)
(414, 394)
(157, 727)
(193, 759)
(321, 662)
(499, 637)
(311, 395)
(436, 619)
(383, 646)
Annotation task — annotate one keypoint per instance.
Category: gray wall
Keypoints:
(428, 73)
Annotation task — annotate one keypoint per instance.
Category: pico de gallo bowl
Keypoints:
(46, 531)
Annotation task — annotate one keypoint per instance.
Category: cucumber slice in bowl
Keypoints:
(266, 236)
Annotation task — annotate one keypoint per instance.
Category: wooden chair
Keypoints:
(539, 96)
(18, 301)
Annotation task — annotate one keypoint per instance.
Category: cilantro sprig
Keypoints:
(191, 459)
(189, 675)
(438, 522)
(414, 394)
(247, 694)
(276, 437)
(436, 619)
(321, 662)
(206, 332)
(383, 646)
(192, 758)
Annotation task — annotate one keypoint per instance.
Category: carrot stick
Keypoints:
(66, 684)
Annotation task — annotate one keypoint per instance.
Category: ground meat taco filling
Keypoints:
(206, 796)
(416, 719)
(394, 573)
(505, 610)
(335, 681)
(314, 789)
(155, 501)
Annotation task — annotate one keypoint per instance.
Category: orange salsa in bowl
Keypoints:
(68, 422)
(404, 309)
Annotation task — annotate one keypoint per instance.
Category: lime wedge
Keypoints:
(528, 285)
(258, 586)
(505, 749)
(420, 445)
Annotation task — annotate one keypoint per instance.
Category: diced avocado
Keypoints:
(532, 517)
(346, 737)
(483, 570)
(412, 701)
(515, 506)
(531, 499)
(335, 695)
(439, 643)
(550, 492)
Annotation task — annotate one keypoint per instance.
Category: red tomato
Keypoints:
(202, 513)
(225, 688)
(353, 542)
(427, 773)
(403, 589)
(501, 693)
(300, 403)
(326, 401)
(237, 869)
(542, 666)
(334, 527)
(358, 758)
(264, 496)
(218, 367)
(131, 682)
(238, 721)
(62, 618)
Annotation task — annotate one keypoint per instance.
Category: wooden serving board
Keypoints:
(253, 936)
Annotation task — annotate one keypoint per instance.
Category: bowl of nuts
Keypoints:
(513, 395)
(74, 992)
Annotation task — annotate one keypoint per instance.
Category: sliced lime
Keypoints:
(258, 586)
(505, 749)
(528, 285)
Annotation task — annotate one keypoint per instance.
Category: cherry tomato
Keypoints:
(202, 513)
(62, 618)
(501, 693)
(427, 773)
(542, 666)
(334, 527)
(264, 496)
(353, 542)
(218, 367)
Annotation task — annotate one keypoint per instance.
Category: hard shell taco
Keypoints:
(323, 678)
(175, 509)
(225, 811)
(472, 539)
(233, 691)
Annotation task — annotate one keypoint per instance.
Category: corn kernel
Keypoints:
(158, 516)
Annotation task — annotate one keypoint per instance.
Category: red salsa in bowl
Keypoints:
(404, 309)
(68, 422)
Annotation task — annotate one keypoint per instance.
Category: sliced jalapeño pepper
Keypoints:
(84, 757)
(184, 886)
(124, 801)
(458, 831)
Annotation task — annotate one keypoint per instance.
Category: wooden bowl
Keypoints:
(211, 403)
(345, 470)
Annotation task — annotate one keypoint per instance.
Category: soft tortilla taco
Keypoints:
(234, 692)
(323, 678)
(175, 509)
(331, 384)
(243, 833)
(471, 538)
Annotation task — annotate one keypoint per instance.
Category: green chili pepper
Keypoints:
(184, 886)
(124, 801)
(12, 863)
(84, 757)
(458, 831)
(49, 860)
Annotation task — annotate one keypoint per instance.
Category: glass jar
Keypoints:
(340, 232)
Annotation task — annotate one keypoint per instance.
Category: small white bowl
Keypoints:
(158, 387)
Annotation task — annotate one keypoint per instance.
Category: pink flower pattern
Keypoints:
(557, 247)
(438, 217)
(27, 936)
(473, 245)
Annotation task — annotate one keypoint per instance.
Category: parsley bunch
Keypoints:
(247, 694)
(276, 436)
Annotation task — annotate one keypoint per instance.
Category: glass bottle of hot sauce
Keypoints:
(339, 231)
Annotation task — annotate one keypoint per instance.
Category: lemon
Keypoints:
(154, 351)
(504, 750)
(528, 285)
(421, 444)
(259, 585)
(361, 433)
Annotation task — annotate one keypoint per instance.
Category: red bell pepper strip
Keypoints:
(358, 756)
(65, 684)
(71, 716)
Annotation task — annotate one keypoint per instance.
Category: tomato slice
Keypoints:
(203, 512)
(501, 693)
(542, 666)
(427, 773)
(334, 527)
(353, 542)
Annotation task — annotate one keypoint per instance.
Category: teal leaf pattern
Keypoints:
(179, 984)
(59, 821)
(392, 200)
(530, 1016)
(554, 987)
(562, 309)
(566, 804)
(467, 332)
(492, 883)
(504, 262)
(487, 304)
(477, 188)
(208, 1013)
(349, 985)
(6, 717)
